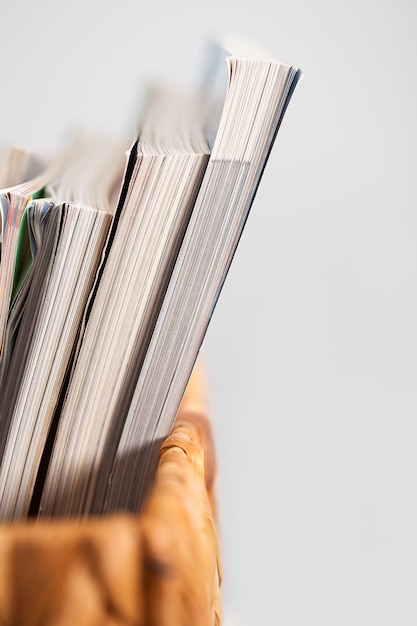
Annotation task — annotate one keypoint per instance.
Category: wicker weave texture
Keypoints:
(159, 568)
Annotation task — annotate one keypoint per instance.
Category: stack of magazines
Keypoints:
(112, 261)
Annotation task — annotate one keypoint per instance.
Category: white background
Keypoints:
(312, 351)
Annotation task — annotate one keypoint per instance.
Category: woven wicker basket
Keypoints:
(159, 568)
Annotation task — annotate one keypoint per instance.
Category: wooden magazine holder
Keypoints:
(159, 568)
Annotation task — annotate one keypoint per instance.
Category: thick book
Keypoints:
(190, 180)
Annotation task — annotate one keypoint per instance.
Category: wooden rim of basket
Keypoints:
(161, 567)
